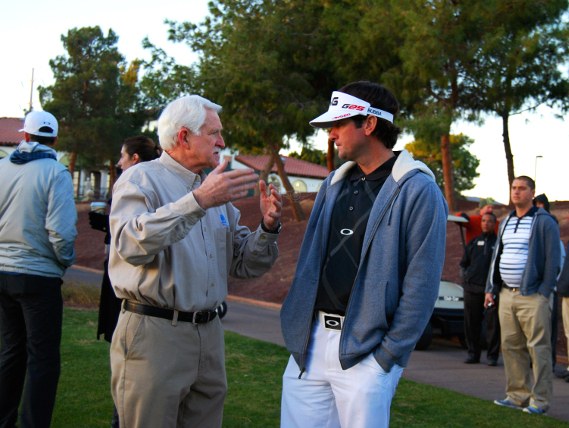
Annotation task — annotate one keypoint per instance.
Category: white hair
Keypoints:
(186, 112)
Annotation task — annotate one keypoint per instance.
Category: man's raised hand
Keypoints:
(221, 187)
(271, 205)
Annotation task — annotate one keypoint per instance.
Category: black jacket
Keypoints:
(563, 281)
(476, 261)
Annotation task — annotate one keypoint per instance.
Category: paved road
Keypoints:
(83, 276)
(441, 365)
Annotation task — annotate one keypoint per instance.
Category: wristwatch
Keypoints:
(271, 231)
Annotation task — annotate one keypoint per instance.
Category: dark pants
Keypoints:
(474, 315)
(31, 311)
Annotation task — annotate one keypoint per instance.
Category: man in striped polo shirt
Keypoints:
(524, 269)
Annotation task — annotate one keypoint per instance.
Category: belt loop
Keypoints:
(122, 306)
(175, 318)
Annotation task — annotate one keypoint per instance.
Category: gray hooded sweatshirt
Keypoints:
(398, 278)
(37, 215)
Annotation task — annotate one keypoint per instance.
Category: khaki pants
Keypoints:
(565, 315)
(166, 375)
(526, 323)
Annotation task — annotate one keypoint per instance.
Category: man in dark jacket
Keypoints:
(473, 272)
(563, 292)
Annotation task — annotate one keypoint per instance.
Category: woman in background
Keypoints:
(134, 150)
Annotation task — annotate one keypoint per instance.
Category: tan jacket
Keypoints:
(167, 251)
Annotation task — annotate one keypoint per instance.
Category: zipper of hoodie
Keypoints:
(303, 369)
(363, 256)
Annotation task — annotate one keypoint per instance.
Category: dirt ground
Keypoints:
(274, 285)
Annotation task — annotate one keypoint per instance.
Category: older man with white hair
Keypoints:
(175, 239)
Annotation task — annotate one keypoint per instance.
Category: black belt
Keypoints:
(200, 317)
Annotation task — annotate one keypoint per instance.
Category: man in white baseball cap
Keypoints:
(368, 272)
(37, 233)
(40, 123)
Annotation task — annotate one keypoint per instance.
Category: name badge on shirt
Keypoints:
(480, 243)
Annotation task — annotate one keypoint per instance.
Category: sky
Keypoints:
(31, 35)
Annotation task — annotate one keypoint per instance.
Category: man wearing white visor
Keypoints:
(368, 273)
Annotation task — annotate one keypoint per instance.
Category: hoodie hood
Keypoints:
(403, 165)
(26, 152)
(34, 147)
(543, 199)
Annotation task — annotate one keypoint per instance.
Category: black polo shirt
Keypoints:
(347, 231)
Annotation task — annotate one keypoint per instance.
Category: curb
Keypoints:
(87, 269)
(254, 302)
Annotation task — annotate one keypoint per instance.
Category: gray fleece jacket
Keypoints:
(544, 257)
(398, 278)
(37, 215)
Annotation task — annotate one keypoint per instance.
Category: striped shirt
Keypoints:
(515, 240)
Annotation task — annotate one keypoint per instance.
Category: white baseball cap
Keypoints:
(342, 106)
(40, 119)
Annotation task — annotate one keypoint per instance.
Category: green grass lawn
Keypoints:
(254, 371)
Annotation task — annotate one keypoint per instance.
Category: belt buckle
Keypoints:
(332, 322)
(195, 316)
(201, 317)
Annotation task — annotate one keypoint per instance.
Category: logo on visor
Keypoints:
(353, 107)
(334, 101)
(339, 117)
(376, 112)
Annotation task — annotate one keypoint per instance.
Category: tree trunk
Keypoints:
(447, 172)
(112, 178)
(509, 155)
(78, 184)
(330, 156)
(292, 197)
(71, 168)
(264, 175)
(72, 162)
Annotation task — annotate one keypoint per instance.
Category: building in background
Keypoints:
(305, 177)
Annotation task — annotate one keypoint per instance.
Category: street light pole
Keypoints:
(535, 170)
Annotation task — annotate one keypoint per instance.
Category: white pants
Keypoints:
(327, 396)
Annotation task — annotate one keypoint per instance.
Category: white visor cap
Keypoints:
(343, 106)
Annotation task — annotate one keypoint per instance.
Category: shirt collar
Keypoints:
(384, 170)
(187, 176)
(530, 213)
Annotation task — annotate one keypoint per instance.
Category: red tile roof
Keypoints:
(293, 166)
(9, 135)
